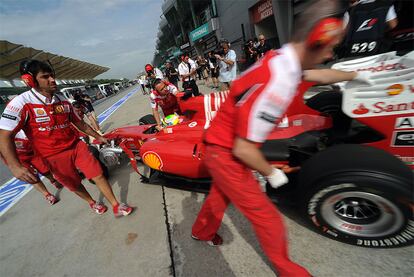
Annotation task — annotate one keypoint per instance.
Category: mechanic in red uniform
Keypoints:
(46, 120)
(164, 96)
(80, 110)
(256, 103)
(36, 165)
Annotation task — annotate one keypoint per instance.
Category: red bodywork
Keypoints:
(179, 149)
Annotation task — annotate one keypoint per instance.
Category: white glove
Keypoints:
(277, 178)
(363, 77)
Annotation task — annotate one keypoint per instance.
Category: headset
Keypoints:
(324, 32)
(28, 77)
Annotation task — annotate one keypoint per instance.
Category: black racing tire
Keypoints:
(95, 153)
(359, 195)
(326, 102)
(147, 119)
(330, 103)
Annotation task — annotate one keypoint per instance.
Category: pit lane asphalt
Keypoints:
(68, 239)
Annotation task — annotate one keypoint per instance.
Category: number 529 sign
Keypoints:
(363, 47)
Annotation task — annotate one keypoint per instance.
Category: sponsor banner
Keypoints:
(42, 119)
(8, 116)
(261, 10)
(184, 46)
(200, 32)
(403, 139)
(384, 100)
(404, 123)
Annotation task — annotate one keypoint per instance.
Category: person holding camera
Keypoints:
(187, 70)
(263, 46)
(250, 52)
(214, 71)
(152, 74)
(227, 65)
(171, 73)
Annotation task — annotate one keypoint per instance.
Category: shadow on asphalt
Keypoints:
(114, 180)
(200, 259)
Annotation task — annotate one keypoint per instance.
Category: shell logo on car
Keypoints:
(152, 160)
(395, 89)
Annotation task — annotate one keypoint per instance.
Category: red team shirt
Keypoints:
(257, 100)
(47, 124)
(23, 145)
(168, 103)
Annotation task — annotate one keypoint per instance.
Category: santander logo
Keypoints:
(360, 110)
(384, 67)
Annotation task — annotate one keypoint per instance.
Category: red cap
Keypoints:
(325, 32)
(148, 67)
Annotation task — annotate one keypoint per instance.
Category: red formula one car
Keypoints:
(355, 146)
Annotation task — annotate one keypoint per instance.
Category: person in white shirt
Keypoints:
(227, 65)
(187, 70)
(141, 82)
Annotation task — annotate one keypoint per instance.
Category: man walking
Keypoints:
(46, 120)
(255, 105)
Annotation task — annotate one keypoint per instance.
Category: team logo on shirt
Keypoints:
(39, 112)
(8, 116)
(19, 144)
(268, 117)
(367, 24)
(66, 108)
(42, 119)
(59, 109)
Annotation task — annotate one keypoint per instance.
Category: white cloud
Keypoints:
(90, 42)
(119, 34)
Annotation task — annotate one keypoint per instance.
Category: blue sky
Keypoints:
(119, 34)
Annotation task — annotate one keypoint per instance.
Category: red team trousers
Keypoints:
(234, 182)
(65, 165)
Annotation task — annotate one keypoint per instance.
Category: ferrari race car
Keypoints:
(354, 144)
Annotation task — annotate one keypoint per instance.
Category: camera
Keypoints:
(219, 51)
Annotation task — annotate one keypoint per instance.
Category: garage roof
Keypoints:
(66, 68)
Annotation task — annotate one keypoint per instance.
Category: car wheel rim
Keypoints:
(362, 214)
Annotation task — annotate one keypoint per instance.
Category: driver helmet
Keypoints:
(171, 120)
